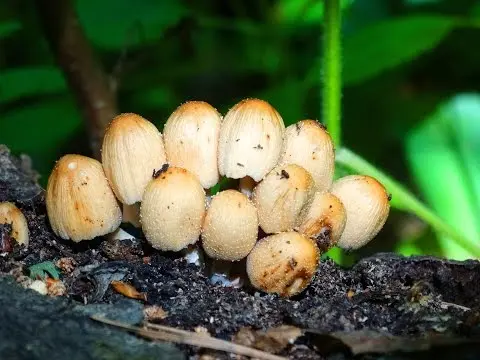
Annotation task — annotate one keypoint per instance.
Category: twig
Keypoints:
(166, 333)
(86, 78)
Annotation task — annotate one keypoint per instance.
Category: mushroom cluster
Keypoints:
(286, 188)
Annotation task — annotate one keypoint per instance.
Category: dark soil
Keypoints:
(406, 298)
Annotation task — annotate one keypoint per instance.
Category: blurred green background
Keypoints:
(411, 100)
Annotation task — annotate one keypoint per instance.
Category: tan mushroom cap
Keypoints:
(281, 196)
(10, 214)
(309, 145)
(323, 219)
(80, 203)
(283, 263)
(251, 140)
(173, 210)
(367, 205)
(230, 229)
(191, 140)
(132, 149)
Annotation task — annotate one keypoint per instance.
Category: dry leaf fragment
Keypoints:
(128, 290)
(274, 340)
(55, 287)
(66, 264)
(154, 313)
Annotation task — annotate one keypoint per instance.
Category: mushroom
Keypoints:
(281, 196)
(191, 140)
(173, 209)
(309, 145)
(10, 214)
(283, 263)
(230, 228)
(132, 149)
(250, 143)
(323, 220)
(80, 203)
(367, 205)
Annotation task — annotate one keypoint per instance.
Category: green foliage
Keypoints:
(8, 28)
(444, 155)
(308, 11)
(387, 44)
(116, 24)
(43, 269)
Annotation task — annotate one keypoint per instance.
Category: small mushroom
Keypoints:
(367, 206)
(323, 220)
(10, 214)
(191, 140)
(309, 145)
(230, 229)
(132, 149)
(251, 139)
(173, 209)
(283, 263)
(281, 196)
(80, 203)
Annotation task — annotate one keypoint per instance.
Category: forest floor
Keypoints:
(385, 306)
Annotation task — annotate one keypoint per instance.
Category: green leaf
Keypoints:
(30, 81)
(444, 154)
(41, 270)
(303, 11)
(116, 24)
(387, 44)
(8, 28)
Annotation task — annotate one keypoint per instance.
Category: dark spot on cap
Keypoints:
(268, 136)
(160, 171)
(241, 165)
(181, 142)
(288, 241)
(237, 140)
(284, 175)
(239, 205)
(298, 128)
(258, 147)
(293, 263)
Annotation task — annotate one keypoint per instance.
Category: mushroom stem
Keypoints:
(131, 214)
(246, 186)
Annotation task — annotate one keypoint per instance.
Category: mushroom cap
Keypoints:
(230, 228)
(191, 140)
(323, 219)
(283, 263)
(10, 214)
(80, 203)
(132, 149)
(281, 196)
(251, 139)
(367, 206)
(173, 209)
(309, 145)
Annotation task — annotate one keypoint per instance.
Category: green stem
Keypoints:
(402, 198)
(332, 70)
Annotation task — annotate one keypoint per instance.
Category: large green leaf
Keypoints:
(444, 155)
(115, 24)
(8, 28)
(21, 82)
(389, 43)
(302, 11)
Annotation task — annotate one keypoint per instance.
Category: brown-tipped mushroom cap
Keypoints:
(191, 140)
(230, 229)
(281, 196)
(80, 203)
(323, 220)
(251, 140)
(10, 214)
(367, 206)
(309, 145)
(132, 149)
(283, 263)
(173, 209)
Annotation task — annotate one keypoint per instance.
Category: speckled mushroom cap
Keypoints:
(173, 209)
(191, 140)
(283, 263)
(230, 229)
(10, 214)
(323, 219)
(281, 196)
(80, 203)
(309, 145)
(132, 149)
(367, 206)
(251, 139)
